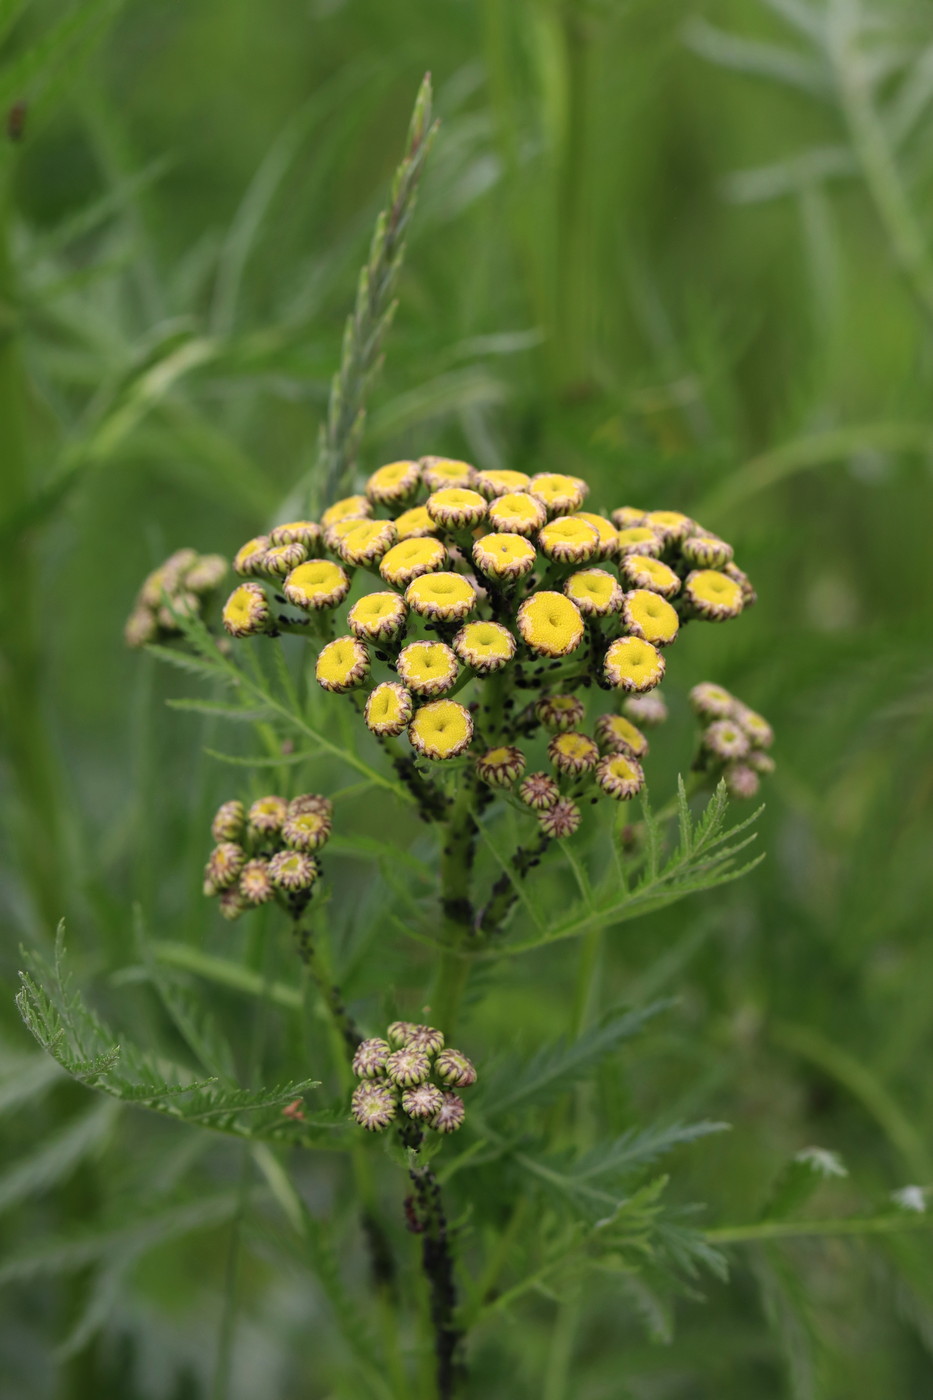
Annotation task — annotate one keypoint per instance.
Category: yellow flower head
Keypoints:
(414, 524)
(306, 831)
(626, 516)
(607, 532)
(517, 512)
(507, 556)
(560, 712)
(714, 595)
(342, 664)
(620, 776)
(500, 483)
(427, 668)
(484, 646)
(502, 766)
(293, 870)
(573, 753)
(256, 885)
(456, 507)
(267, 815)
(388, 709)
(280, 559)
(377, 617)
(365, 541)
(246, 612)
(644, 572)
(438, 472)
(411, 558)
(317, 584)
(558, 492)
(639, 539)
(620, 735)
(247, 558)
(304, 532)
(632, 664)
(441, 730)
(595, 592)
(670, 523)
(650, 616)
(706, 551)
(393, 483)
(739, 576)
(350, 508)
(444, 597)
(569, 539)
(550, 624)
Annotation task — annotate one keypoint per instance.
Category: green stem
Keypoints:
(804, 1229)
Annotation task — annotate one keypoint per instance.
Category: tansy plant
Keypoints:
(481, 647)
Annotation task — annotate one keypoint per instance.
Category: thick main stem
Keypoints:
(438, 1267)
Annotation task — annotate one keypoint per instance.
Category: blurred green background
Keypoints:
(683, 249)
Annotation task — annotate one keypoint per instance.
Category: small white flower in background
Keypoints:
(821, 1161)
(910, 1198)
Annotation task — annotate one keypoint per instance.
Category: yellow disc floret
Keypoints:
(505, 556)
(550, 624)
(427, 668)
(414, 524)
(558, 492)
(246, 611)
(626, 516)
(441, 730)
(569, 539)
(366, 541)
(245, 561)
(517, 512)
(500, 483)
(377, 617)
(410, 559)
(484, 646)
(650, 617)
(632, 664)
(350, 508)
(437, 472)
(388, 709)
(456, 507)
(393, 483)
(607, 532)
(444, 597)
(639, 539)
(670, 523)
(713, 595)
(319, 583)
(620, 735)
(342, 664)
(644, 572)
(595, 592)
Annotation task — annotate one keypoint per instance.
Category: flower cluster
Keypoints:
(734, 739)
(410, 1071)
(266, 852)
(490, 583)
(178, 588)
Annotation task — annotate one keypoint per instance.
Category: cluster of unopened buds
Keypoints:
(176, 589)
(734, 739)
(411, 1072)
(490, 584)
(266, 852)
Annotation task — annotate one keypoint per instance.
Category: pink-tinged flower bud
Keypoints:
(711, 701)
(761, 762)
(426, 1038)
(755, 725)
(225, 863)
(256, 885)
(741, 780)
(647, 710)
(267, 814)
(408, 1066)
(501, 767)
(561, 820)
(231, 904)
(423, 1102)
(450, 1115)
(229, 821)
(400, 1033)
(373, 1105)
(452, 1067)
(726, 739)
(141, 628)
(369, 1062)
(293, 871)
(539, 791)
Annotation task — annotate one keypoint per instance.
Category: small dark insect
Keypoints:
(411, 1217)
(16, 121)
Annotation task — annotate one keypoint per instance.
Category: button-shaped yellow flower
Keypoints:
(456, 507)
(626, 516)
(650, 616)
(342, 664)
(427, 668)
(376, 617)
(350, 508)
(443, 729)
(706, 551)
(484, 646)
(319, 583)
(620, 776)
(388, 709)
(502, 766)
(414, 524)
(280, 559)
(305, 532)
(411, 558)
(438, 472)
(444, 597)
(504, 556)
(573, 753)
(246, 612)
(500, 483)
(393, 483)
(245, 561)
(713, 595)
(560, 712)
(559, 493)
(550, 624)
(366, 541)
(620, 735)
(607, 532)
(670, 523)
(639, 539)
(594, 591)
(632, 664)
(518, 513)
(569, 540)
(641, 571)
